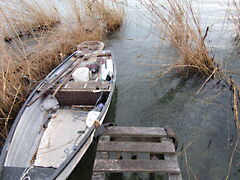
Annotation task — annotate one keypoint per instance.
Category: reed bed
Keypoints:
(178, 24)
(24, 17)
(233, 12)
(111, 15)
(21, 68)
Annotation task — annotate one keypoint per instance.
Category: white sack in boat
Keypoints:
(92, 116)
(49, 102)
(81, 74)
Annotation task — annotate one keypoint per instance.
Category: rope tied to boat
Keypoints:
(101, 129)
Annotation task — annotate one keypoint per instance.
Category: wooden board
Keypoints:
(174, 158)
(68, 98)
(136, 131)
(61, 135)
(112, 165)
(173, 176)
(137, 147)
(89, 85)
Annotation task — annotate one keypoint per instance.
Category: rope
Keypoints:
(25, 172)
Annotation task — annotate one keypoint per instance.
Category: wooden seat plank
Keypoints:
(136, 131)
(137, 147)
(114, 166)
(89, 85)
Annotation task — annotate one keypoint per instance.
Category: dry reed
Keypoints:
(21, 69)
(233, 12)
(27, 18)
(111, 15)
(179, 25)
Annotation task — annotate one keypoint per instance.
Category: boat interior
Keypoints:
(51, 128)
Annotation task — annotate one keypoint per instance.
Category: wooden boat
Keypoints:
(56, 125)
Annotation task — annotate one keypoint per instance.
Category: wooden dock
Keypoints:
(120, 149)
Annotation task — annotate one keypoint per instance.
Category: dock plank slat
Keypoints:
(172, 157)
(136, 131)
(137, 147)
(115, 166)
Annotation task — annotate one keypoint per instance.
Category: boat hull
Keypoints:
(65, 169)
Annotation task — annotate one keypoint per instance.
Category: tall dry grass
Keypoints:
(23, 17)
(111, 15)
(178, 24)
(233, 11)
(22, 69)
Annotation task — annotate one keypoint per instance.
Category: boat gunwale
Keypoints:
(17, 119)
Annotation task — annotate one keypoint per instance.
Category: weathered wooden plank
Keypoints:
(99, 176)
(173, 176)
(103, 155)
(68, 98)
(136, 131)
(137, 147)
(170, 157)
(86, 85)
(112, 165)
(135, 139)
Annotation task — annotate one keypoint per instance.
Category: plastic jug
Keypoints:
(106, 69)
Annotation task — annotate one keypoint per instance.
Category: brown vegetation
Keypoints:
(178, 24)
(27, 60)
(233, 11)
(22, 17)
(111, 15)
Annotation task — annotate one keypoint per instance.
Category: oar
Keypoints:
(52, 81)
(66, 78)
(50, 84)
(89, 56)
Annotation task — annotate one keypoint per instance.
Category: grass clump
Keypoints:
(178, 25)
(21, 68)
(111, 14)
(24, 17)
(233, 12)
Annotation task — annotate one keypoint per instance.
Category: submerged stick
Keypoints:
(235, 107)
(186, 161)
(207, 80)
(231, 159)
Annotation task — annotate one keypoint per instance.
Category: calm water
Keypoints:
(205, 121)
